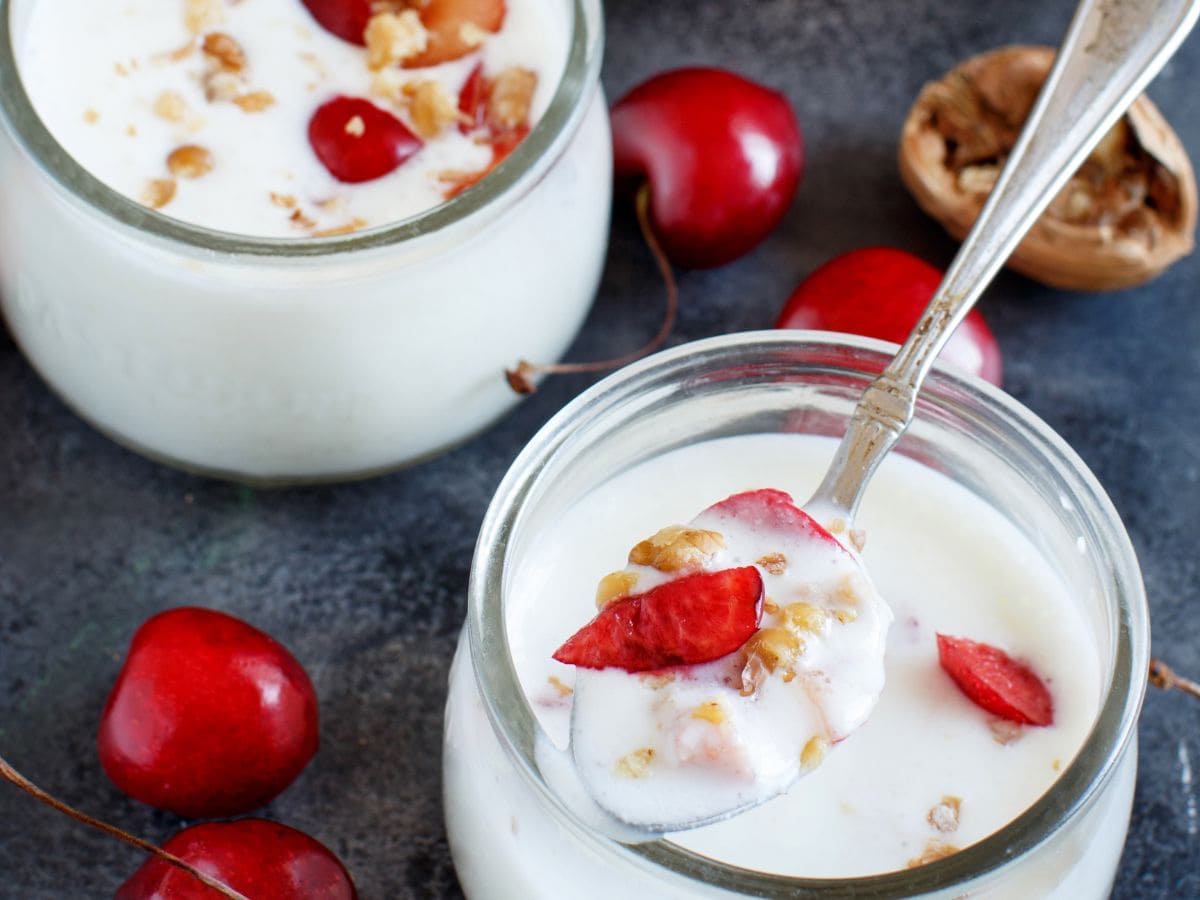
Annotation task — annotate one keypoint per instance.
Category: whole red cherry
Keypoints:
(357, 141)
(880, 292)
(722, 156)
(208, 717)
(260, 859)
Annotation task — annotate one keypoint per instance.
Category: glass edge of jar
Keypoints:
(1073, 792)
(512, 179)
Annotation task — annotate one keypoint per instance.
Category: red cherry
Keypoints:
(880, 292)
(691, 620)
(722, 156)
(209, 716)
(445, 21)
(995, 681)
(358, 141)
(263, 860)
(345, 18)
(768, 509)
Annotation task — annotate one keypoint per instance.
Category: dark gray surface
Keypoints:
(366, 582)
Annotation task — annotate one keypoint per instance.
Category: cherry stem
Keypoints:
(12, 775)
(520, 378)
(1164, 677)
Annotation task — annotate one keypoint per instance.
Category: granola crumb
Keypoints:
(511, 97)
(131, 130)
(287, 201)
(557, 683)
(851, 589)
(224, 52)
(348, 228)
(837, 526)
(299, 219)
(656, 681)
(1005, 732)
(171, 106)
(255, 101)
(635, 764)
(858, 539)
(944, 817)
(221, 85)
(934, 850)
(845, 616)
(774, 563)
(158, 192)
(355, 126)
(710, 711)
(814, 752)
(201, 15)
(770, 607)
(613, 586)
(430, 107)
(189, 161)
(121, 69)
(178, 54)
(91, 116)
(1056, 765)
(393, 38)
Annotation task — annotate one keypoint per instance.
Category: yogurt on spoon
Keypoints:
(727, 658)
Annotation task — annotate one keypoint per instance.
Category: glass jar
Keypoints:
(512, 837)
(303, 359)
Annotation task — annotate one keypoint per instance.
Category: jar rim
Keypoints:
(517, 174)
(1071, 794)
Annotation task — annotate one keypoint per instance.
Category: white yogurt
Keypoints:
(113, 83)
(266, 360)
(928, 773)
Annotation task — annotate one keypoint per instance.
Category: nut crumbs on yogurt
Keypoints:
(190, 161)
(158, 192)
(944, 817)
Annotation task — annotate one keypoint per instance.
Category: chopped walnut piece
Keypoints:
(201, 15)
(557, 683)
(613, 586)
(677, 547)
(770, 607)
(287, 201)
(91, 116)
(777, 648)
(836, 526)
(806, 617)
(814, 752)
(178, 54)
(858, 539)
(710, 711)
(299, 219)
(221, 85)
(774, 563)
(189, 161)
(224, 52)
(393, 38)
(850, 590)
(511, 97)
(430, 107)
(934, 850)
(1005, 732)
(171, 106)
(255, 101)
(355, 126)
(944, 816)
(158, 192)
(349, 228)
(635, 764)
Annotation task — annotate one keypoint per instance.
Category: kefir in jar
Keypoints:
(242, 243)
(984, 526)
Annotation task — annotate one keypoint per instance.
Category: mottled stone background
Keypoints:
(366, 582)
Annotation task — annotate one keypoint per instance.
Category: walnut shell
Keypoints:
(1127, 214)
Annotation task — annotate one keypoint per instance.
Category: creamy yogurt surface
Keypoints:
(930, 772)
(122, 84)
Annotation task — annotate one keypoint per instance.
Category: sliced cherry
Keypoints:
(722, 156)
(691, 620)
(450, 23)
(346, 18)
(259, 859)
(357, 141)
(208, 717)
(880, 292)
(995, 681)
(472, 101)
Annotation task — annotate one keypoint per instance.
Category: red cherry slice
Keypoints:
(771, 509)
(345, 18)
(691, 620)
(996, 682)
(880, 292)
(257, 858)
(472, 101)
(357, 141)
(722, 156)
(445, 21)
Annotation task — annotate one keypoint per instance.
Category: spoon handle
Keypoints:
(1112, 50)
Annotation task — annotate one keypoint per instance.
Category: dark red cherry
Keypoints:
(208, 717)
(722, 156)
(448, 24)
(260, 859)
(880, 292)
(345, 18)
(357, 141)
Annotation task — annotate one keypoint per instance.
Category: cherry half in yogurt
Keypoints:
(791, 636)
